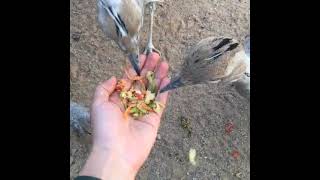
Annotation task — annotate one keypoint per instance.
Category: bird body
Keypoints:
(243, 86)
(121, 20)
(212, 60)
(247, 51)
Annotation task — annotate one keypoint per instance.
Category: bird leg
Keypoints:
(150, 48)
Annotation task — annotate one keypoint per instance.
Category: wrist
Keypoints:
(107, 164)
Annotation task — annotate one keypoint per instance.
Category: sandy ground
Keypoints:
(179, 24)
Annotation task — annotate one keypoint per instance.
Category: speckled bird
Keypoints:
(121, 20)
(212, 60)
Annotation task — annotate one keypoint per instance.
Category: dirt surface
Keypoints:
(209, 109)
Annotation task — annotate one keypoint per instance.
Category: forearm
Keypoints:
(106, 166)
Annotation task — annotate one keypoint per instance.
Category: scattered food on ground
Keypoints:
(186, 125)
(192, 156)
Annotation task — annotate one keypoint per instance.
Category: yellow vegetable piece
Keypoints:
(149, 97)
(192, 156)
(158, 107)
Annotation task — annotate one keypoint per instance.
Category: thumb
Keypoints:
(104, 90)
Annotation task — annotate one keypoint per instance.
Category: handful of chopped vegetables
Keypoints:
(140, 99)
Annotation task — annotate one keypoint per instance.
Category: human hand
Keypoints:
(121, 146)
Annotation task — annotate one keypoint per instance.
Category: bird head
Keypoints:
(121, 21)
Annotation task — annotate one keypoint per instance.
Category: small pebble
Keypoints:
(238, 175)
(73, 151)
(158, 137)
(76, 36)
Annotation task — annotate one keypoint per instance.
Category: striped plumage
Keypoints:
(212, 60)
(121, 20)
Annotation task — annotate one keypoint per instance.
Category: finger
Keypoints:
(161, 72)
(115, 95)
(115, 98)
(132, 72)
(162, 97)
(151, 63)
(104, 90)
(153, 119)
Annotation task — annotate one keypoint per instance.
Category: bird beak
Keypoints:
(134, 60)
(176, 83)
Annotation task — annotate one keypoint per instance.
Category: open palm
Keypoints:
(129, 139)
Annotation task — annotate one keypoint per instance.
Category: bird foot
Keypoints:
(149, 50)
(151, 1)
(150, 47)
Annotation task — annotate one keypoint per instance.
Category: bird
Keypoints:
(243, 84)
(247, 51)
(122, 20)
(212, 60)
(80, 119)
